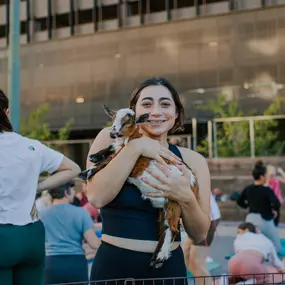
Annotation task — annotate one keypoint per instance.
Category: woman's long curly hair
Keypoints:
(5, 124)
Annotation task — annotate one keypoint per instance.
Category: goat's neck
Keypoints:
(120, 142)
(135, 135)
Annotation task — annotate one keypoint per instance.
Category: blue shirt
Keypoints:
(65, 225)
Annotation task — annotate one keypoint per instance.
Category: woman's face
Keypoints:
(241, 232)
(158, 102)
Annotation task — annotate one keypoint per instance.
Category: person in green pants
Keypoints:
(22, 234)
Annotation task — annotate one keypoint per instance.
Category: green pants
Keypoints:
(22, 254)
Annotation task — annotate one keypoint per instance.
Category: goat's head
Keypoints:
(124, 122)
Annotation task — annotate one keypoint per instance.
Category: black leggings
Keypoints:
(66, 269)
(112, 262)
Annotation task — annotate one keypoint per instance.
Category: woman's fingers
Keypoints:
(169, 156)
(160, 160)
(157, 176)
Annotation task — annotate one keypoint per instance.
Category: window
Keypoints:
(40, 24)
(3, 31)
(157, 6)
(85, 16)
(184, 3)
(62, 20)
(23, 28)
(133, 8)
(109, 12)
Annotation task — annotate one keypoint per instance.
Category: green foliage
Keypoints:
(108, 124)
(233, 137)
(35, 126)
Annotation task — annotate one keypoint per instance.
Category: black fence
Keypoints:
(266, 278)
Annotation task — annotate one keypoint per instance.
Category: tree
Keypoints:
(35, 126)
(233, 137)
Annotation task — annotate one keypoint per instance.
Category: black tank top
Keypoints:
(129, 216)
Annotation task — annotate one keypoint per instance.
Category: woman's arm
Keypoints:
(196, 213)
(91, 238)
(107, 183)
(66, 171)
(273, 258)
(241, 201)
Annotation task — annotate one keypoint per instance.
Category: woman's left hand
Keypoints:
(173, 186)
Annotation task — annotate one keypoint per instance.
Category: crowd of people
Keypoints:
(49, 231)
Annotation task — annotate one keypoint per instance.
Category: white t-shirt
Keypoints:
(22, 160)
(214, 209)
(260, 243)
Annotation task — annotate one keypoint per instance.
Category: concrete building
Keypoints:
(78, 54)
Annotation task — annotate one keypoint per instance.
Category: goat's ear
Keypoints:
(111, 113)
(142, 118)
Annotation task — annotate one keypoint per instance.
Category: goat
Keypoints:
(125, 128)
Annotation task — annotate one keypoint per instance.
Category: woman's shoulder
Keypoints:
(194, 159)
(102, 140)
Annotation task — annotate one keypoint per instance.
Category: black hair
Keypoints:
(247, 226)
(59, 192)
(156, 81)
(5, 124)
(258, 170)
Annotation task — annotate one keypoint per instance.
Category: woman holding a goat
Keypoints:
(130, 223)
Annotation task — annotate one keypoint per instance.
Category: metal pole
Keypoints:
(210, 139)
(251, 135)
(215, 139)
(194, 133)
(14, 64)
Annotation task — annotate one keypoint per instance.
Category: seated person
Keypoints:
(252, 249)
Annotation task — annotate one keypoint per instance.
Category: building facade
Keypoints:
(77, 55)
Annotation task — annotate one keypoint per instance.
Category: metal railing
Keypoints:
(257, 279)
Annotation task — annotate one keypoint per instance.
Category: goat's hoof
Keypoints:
(156, 262)
(144, 197)
(96, 157)
(158, 259)
(83, 175)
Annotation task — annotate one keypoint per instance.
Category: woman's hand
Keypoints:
(173, 186)
(153, 149)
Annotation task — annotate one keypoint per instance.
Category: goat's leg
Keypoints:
(169, 222)
(91, 171)
(102, 155)
(166, 238)
(88, 173)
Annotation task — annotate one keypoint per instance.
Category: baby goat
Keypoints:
(125, 128)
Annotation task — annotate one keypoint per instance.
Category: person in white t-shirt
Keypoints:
(196, 254)
(22, 234)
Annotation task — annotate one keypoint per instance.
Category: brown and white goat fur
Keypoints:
(125, 128)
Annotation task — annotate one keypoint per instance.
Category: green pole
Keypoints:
(14, 64)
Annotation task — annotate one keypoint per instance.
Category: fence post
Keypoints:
(210, 139)
(194, 132)
(251, 136)
(14, 64)
(215, 139)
